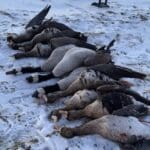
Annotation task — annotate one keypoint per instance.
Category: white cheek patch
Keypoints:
(29, 28)
(11, 42)
(45, 98)
(35, 78)
(81, 35)
(54, 118)
(21, 48)
(41, 92)
(18, 71)
(98, 47)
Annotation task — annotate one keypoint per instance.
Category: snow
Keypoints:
(23, 120)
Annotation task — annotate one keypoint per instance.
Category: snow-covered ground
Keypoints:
(23, 121)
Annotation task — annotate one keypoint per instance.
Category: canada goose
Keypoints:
(117, 128)
(112, 99)
(107, 103)
(30, 32)
(78, 101)
(31, 27)
(46, 35)
(102, 106)
(38, 38)
(71, 58)
(94, 76)
(88, 58)
(88, 79)
(38, 51)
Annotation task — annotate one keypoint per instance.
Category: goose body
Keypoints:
(42, 37)
(112, 101)
(88, 79)
(30, 32)
(55, 43)
(79, 100)
(48, 34)
(94, 76)
(71, 57)
(116, 128)
(106, 104)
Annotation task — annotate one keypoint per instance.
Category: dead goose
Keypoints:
(46, 35)
(71, 58)
(92, 77)
(65, 55)
(38, 51)
(102, 106)
(87, 80)
(30, 32)
(111, 98)
(116, 128)
(107, 103)
(78, 101)
(31, 27)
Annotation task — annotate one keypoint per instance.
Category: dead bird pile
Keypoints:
(86, 73)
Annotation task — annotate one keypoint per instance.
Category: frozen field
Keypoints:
(23, 120)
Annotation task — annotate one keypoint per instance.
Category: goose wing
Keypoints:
(37, 20)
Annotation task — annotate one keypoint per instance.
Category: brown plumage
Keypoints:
(117, 88)
(116, 128)
(46, 35)
(79, 100)
(106, 104)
